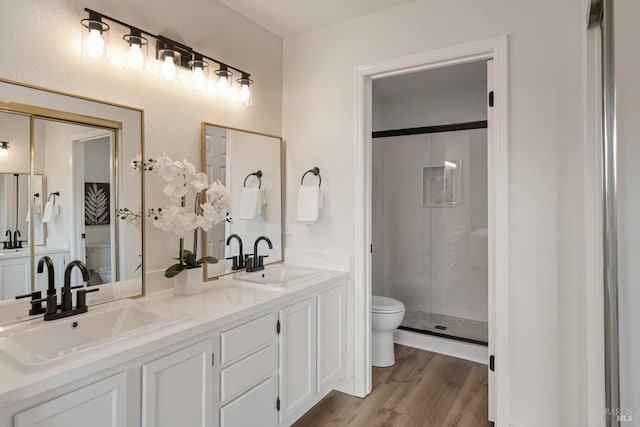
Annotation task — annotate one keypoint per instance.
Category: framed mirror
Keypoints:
(62, 178)
(250, 165)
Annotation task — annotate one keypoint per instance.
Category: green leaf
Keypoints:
(190, 259)
(208, 260)
(173, 270)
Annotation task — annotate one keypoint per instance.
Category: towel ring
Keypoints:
(316, 172)
(54, 194)
(258, 174)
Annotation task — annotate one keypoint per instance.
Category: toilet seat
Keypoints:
(385, 305)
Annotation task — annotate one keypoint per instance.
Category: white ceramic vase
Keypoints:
(188, 282)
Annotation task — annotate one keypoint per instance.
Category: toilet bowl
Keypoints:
(105, 275)
(386, 316)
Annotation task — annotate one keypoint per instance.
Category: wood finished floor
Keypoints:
(422, 389)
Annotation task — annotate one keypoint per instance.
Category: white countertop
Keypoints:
(222, 302)
(26, 251)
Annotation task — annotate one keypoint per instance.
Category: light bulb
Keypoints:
(223, 85)
(197, 78)
(245, 93)
(169, 68)
(4, 152)
(95, 44)
(135, 58)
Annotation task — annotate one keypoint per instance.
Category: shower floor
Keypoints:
(446, 326)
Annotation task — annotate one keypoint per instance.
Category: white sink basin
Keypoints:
(38, 344)
(279, 276)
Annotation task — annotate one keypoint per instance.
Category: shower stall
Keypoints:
(429, 200)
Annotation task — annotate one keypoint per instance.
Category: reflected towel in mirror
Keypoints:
(251, 203)
(50, 212)
(310, 201)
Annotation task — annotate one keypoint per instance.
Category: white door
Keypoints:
(102, 404)
(297, 355)
(331, 337)
(491, 291)
(177, 390)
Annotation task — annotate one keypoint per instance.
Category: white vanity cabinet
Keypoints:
(177, 389)
(101, 404)
(249, 373)
(331, 340)
(15, 277)
(297, 356)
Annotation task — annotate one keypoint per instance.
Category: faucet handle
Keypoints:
(261, 260)
(81, 297)
(36, 302)
(235, 262)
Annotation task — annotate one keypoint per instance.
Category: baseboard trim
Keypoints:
(473, 352)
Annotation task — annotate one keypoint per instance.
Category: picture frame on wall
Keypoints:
(97, 203)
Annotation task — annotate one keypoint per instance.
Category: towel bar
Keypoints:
(258, 174)
(315, 171)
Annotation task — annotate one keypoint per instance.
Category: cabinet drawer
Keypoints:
(257, 407)
(248, 372)
(246, 337)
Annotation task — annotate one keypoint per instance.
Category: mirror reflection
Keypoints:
(60, 187)
(249, 164)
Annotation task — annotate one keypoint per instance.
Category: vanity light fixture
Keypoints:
(224, 80)
(245, 89)
(95, 37)
(138, 49)
(199, 71)
(4, 149)
(172, 56)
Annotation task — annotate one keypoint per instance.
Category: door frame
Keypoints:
(496, 49)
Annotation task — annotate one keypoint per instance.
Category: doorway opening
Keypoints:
(494, 52)
(429, 199)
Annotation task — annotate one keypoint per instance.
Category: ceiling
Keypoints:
(288, 17)
(469, 74)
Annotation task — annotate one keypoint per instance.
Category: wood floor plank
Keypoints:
(421, 389)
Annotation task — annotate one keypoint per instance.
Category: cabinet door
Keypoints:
(297, 355)
(177, 389)
(331, 337)
(15, 277)
(256, 407)
(102, 404)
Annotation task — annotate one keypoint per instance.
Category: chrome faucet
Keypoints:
(256, 262)
(239, 260)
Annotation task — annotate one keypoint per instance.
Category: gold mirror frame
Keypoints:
(45, 113)
(203, 168)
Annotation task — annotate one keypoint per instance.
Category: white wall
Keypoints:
(546, 45)
(48, 35)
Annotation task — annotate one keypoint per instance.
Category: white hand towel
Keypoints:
(50, 211)
(37, 211)
(310, 201)
(250, 203)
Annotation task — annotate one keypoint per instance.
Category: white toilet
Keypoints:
(386, 316)
(99, 263)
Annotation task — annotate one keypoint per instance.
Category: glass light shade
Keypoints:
(169, 59)
(138, 51)
(199, 73)
(224, 82)
(245, 95)
(95, 39)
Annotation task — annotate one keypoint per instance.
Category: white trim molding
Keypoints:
(496, 49)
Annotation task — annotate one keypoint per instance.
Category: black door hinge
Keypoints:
(278, 404)
(491, 99)
(213, 359)
(278, 327)
(371, 248)
(492, 363)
